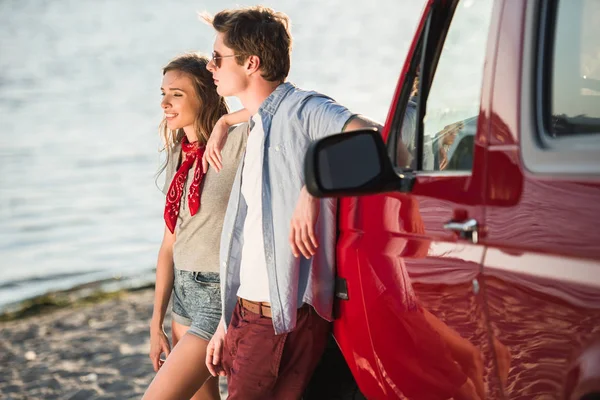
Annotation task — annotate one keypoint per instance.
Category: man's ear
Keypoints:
(252, 64)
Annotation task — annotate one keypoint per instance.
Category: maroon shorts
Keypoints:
(262, 365)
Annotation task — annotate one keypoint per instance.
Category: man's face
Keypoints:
(230, 77)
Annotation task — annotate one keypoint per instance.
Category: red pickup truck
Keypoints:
(468, 260)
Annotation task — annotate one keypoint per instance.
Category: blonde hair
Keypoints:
(212, 106)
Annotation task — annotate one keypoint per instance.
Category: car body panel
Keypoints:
(525, 298)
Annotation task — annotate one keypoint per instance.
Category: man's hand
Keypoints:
(159, 343)
(214, 352)
(302, 233)
(216, 142)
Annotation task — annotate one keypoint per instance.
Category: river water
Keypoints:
(79, 109)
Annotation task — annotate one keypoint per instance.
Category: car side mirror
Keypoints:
(351, 164)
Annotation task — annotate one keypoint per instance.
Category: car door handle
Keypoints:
(469, 225)
(467, 229)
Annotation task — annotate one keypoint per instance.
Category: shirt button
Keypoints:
(224, 263)
(276, 148)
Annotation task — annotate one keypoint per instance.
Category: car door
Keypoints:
(542, 266)
(413, 261)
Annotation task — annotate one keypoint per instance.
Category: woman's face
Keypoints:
(180, 103)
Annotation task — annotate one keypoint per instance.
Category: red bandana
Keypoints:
(192, 153)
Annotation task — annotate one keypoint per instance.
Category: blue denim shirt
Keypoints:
(292, 118)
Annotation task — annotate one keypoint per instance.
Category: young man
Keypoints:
(278, 242)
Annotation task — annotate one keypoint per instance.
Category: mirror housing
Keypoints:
(351, 164)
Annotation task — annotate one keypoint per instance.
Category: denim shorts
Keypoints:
(197, 302)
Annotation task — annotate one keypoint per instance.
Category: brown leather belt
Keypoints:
(261, 308)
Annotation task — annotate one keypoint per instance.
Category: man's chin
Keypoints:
(223, 92)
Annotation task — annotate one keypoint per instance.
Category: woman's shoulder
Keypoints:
(239, 130)
(236, 138)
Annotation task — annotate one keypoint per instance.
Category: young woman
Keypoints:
(196, 200)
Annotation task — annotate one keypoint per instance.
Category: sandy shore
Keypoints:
(97, 351)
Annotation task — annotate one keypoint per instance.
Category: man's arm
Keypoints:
(358, 121)
(325, 117)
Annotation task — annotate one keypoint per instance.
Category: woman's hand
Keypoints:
(218, 137)
(159, 343)
(216, 142)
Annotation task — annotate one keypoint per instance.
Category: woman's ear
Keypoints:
(253, 64)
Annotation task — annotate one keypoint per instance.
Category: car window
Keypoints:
(575, 73)
(453, 103)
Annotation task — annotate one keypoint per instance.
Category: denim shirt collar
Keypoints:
(271, 103)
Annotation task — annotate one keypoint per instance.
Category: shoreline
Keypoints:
(79, 295)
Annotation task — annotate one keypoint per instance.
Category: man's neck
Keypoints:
(256, 93)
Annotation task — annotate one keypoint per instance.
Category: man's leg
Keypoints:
(251, 356)
(301, 353)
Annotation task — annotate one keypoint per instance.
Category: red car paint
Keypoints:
(524, 299)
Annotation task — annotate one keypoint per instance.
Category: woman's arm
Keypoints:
(218, 137)
(236, 117)
(159, 343)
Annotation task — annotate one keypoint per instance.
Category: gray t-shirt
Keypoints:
(198, 237)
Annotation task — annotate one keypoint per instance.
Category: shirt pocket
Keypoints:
(286, 160)
(282, 147)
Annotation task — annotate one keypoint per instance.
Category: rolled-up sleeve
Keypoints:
(321, 116)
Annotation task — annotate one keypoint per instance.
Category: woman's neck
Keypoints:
(190, 132)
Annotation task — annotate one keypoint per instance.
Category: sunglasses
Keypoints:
(216, 60)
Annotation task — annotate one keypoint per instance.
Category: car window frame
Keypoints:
(426, 55)
(542, 153)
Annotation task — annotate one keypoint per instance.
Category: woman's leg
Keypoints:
(210, 389)
(184, 372)
(177, 331)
